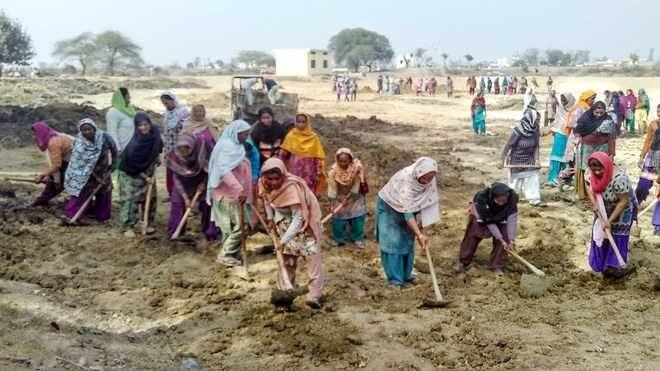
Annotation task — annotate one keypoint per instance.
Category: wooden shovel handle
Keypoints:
(648, 208)
(436, 289)
(529, 265)
(85, 204)
(334, 211)
(280, 259)
(177, 232)
(147, 205)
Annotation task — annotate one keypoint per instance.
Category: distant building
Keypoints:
(303, 62)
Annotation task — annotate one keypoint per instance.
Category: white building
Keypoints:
(303, 62)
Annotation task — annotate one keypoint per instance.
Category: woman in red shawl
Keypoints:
(612, 197)
(58, 146)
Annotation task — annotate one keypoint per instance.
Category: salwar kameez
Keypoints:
(226, 215)
(557, 161)
(351, 216)
(396, 242)
(479, 121)
(132, 197)
(100, 207)
(478, 231)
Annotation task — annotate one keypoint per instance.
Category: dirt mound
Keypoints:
(505, 103)
(15, 121)
(213, 101)
(366, 89)
(162, 83)
(27, 92)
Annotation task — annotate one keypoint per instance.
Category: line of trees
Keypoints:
(555, 57)
(109, 50)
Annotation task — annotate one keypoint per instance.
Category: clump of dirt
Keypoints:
(366, 89)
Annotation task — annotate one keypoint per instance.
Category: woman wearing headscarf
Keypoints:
(489, 85)
(586, 100)
(92, 161)
(630, 103)
(409, 195)
(596, 130)
(478, 113)
(612, 197)
(137, 170)
(201, 127)
(450, 87)
(293, 212)
(642, 110)
(649, 159)
(496, 86)
(58, 148)
(229, 188)
(189, 163)
(482, 84)
(173, 119)
(505, 85)
(345, 186)
(119, 119)
(560, 138)
(267, 134)
(303, 154)
(521, 153)
(493, 213)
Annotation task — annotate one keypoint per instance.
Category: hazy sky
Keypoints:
(177, 31)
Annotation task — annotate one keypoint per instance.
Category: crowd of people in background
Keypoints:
(345, 88)
(504, 85)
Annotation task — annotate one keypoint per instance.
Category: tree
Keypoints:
(81, 48)
(15, 43)
(358, 46)
(254, 58)
(634, 58)
(419, 56)
(116, 50)
(581, 56)
(554, 57)
(469, 58)
(531, 56)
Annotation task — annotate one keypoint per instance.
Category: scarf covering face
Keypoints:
(588, 123)
(529, 123)
(188, 166)
(227, 154)
(198, 122)
(304, 142)
(143, 150)
(42, 134)
(84, 156)
(405, 194)
(294, 191)
(346, 177)
(489, 211)
(598, 185)
(119, 103)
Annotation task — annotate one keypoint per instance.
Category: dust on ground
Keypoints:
(92, 297)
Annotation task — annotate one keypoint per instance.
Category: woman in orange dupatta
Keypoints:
(303, 154)
(293, 211)
(587, 99)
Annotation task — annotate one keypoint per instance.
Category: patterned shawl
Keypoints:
(294, 191)
(84, 156)
(346, 177)
(188, 166)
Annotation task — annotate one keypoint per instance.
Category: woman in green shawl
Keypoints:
(119, 119)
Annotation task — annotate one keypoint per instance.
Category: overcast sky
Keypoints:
(177, 31)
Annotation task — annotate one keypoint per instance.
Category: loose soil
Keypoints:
(95, 298)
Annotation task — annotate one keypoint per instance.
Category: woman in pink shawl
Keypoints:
(629, 104)
(58, 148)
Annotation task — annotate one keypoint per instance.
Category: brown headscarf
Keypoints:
(294, 191)
(198, 122)
(346, 177)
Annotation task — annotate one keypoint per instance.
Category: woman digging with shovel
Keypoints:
(137, 181)
(294, 221)
(412, 192)
(88, 177)
(615, 206)
(492, 213)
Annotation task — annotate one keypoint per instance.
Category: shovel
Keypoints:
(147, 205)
(439, 302)
(179, 228)
(529, 265)
(281, 298)
(332, 213)
(84, 205)
(243, 271)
